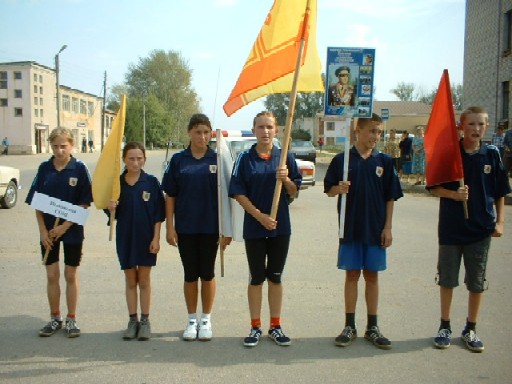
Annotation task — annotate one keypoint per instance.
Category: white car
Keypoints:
(9, 184)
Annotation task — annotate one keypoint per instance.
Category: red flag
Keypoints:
(444, 161)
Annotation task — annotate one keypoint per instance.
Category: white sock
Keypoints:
(192, 317)
(205, 316)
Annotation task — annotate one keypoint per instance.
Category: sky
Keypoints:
(414, 41)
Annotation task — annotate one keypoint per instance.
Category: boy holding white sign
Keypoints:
(66, 178)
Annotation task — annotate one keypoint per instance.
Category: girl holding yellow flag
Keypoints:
(139, 212)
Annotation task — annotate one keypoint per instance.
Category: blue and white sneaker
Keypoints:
(279, 337)
(253, 338)
(443, 339)
(472, 341)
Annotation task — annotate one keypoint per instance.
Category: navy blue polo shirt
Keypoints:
(487, 180)
(140, 207)
(255, 178)
(193, 184)
(72, 184)
(373, 182)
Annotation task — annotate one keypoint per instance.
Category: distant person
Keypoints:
(5, 144)
(139, 212)
(91, 145)
(84, 145)
(497, 139)
(267, 240)
(192, 212)
(392, 149)
(405, 146)
(418, 156)
(486, 185)
(367, 230)
(320, 143)
(507, 151)
(66, 178)
(341, 93)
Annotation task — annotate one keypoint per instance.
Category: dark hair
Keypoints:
(134, 145)
(474, 109)
(365, 121)
(338, 71)
(264, 113)
(199, 119)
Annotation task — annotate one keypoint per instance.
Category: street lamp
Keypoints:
(57, 81)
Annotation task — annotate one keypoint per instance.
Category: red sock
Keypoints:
(55, 314)
(275, 322)
(71, 315)
(256, 323)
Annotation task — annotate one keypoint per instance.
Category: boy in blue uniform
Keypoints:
(266, 240)
(139, 213)
(486, 185)
(192, 212)
(68, 179)
(371, 190)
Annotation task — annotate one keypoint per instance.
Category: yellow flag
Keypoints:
(105, 180)
(271, 64)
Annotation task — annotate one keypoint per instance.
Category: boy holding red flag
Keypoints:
(486, 184)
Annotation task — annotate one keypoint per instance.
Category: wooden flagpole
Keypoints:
(289, 115)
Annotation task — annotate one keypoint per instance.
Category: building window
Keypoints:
(18, 112)
(40, 101)
(505, 99)
(41, 90)
(17, 75)
(507, 33)
(36, 112)
(83, 107)
(35, 88)
(3, 102)
(90, 108)
(3, 79)
(41, 113)
(329, 125)
(74, 104)
(35, 77)
(40, 78)
(65, 102)
(36, 100)
(17, 94)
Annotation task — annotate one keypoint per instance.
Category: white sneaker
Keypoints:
(205, 330)
(190, 333)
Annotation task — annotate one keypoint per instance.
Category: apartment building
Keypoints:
(28, 109)
(488, 59)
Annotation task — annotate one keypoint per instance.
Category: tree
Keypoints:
(162, 82)
(428, 98)
(404, 91)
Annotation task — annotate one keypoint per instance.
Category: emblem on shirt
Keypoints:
(213, 168)
(73, 181)
(379, 171)
(487, 169)
(146, 195)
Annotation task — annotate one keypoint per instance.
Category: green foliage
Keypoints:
(300, 134)
(404, 91)
(306, 105)
(457, 96)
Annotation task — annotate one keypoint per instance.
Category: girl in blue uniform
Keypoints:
(68, 179)
(190, 184)
(266, 239)
(139, 212)
(371, 189)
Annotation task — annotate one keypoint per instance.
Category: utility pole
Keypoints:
(57, 82)
(103, 109)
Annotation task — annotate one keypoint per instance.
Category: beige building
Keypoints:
(488, 59)
(28, 109)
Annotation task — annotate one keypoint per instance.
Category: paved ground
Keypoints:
(312, 309)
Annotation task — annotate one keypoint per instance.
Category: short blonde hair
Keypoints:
(474, 109)
(62, 132)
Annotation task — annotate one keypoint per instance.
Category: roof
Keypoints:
(402, 108)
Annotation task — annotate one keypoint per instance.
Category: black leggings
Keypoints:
(198, 253)
(266, 258)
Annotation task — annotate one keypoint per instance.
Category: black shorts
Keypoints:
(266, 258)
(198, 253)
(72, 254)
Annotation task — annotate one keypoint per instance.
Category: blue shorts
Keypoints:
(357, 256)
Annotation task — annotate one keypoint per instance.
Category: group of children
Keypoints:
(190, 209)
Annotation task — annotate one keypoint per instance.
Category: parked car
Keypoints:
(303, 150)
(9, 184)
(238, 144)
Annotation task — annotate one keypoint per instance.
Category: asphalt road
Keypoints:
(312, 316)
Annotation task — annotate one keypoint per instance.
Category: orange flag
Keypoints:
(271, 64)
(444, 161)
(105, 180)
